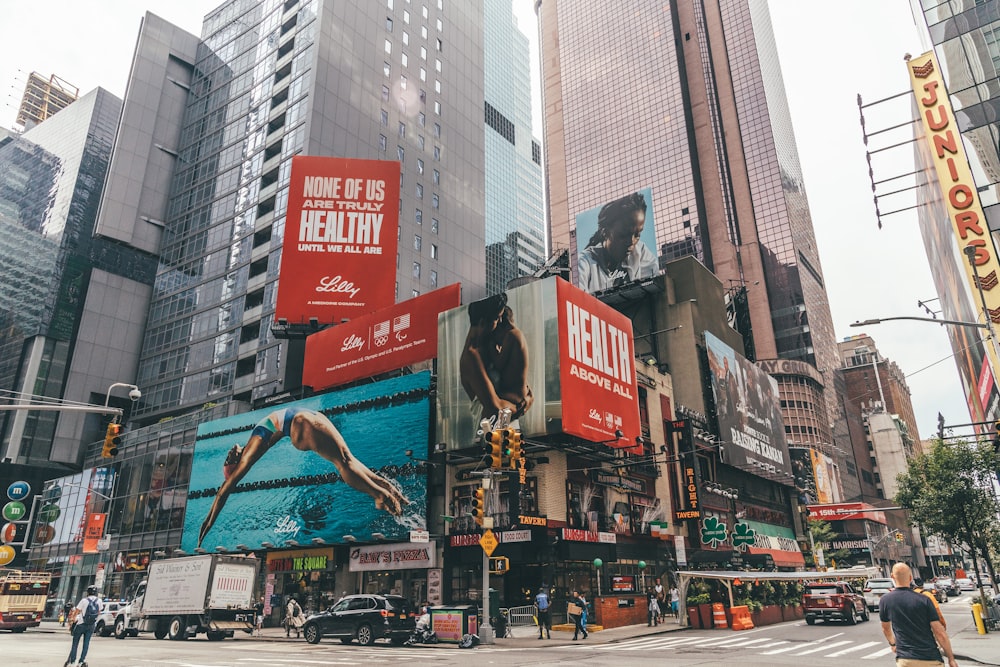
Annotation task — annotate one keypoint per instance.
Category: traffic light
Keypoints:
(515, 449)
(479, 506)
(899, 536)
(499, 565)
(111, 440)
(494, 449)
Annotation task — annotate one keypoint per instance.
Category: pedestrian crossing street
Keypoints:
(835, 647)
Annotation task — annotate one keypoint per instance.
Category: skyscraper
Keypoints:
(686, 98)
(43, 98)
(515, 233)
(388, 80)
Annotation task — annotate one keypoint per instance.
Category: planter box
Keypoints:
(705, 613)
(768, 615)
(694, 620)
(792, 613)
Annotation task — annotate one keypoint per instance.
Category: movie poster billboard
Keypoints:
(338, 258)
(616, 242)
(749, 412)
(559, 359)
(403, 334)
(69, 504)
(345, 473)
(828, 489)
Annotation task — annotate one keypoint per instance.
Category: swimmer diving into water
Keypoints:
(308, 430)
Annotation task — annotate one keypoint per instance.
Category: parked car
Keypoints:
(965, 584)
(833, 601)
(874, 590)
(365, 618)
(940, 594)
(948, 584)
(106, 619)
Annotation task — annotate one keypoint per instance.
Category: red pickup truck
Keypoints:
(833, 601)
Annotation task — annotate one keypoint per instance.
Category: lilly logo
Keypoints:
(337, 285)
(353, 342)
(287, 526)
(595, 414)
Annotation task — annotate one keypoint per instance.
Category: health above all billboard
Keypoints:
(338, 258)
(748, 409)
(559, 359)
(323, 467)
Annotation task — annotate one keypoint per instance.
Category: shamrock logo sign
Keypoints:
(743, 536)
(713, 531)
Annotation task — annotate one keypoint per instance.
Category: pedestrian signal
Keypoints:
(499, 565)
(111, 440)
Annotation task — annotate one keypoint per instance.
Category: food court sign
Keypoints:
(958, 189)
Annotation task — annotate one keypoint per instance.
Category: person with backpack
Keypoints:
(294, 618)
(83, 618)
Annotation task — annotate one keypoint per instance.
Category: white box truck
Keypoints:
(182, 597)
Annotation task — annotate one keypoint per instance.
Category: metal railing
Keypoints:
(521, 615)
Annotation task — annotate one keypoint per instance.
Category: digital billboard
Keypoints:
(338, 257)
(339, 468)
(616, 242)
(398, 336)
(748, 408)
(72, 507)
(559, 359)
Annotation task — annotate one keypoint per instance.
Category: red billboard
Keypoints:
(596, 369)
(403, 334)
(338, 259)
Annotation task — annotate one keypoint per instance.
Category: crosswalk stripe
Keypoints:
(743, 642)
(662, 644)
(878, 654)
(851, 649)
(788, 648)
(824, 647)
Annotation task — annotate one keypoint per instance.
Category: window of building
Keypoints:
(419, 217)
(437, 130)
(416, 269)
(440, 27)
(418, 243)
(435, 201)
(388, 46)
(423, 49)
(415, 293)
(385, 93)
(388, 24)
(389, 4)
(423, 74)
(420, 166)
(421, 119)
(437, 108)
(420, 191)
(381, 142)
(406, 16)
(402, 129)
(437, 177)
(437, 64)
(386, 69)
(437, 153)
(437, 85)
(420, 141)
(423, 11)
(434, 251)
(385, 117)
(434, 225)
(434, 278)
(400, 154)
(405, 59)
(439, 45)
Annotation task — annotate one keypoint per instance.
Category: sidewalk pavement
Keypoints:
(966, 642)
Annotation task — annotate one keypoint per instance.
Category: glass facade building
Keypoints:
(53, 270)
(690, 103)
(515, 232)
(368, 79)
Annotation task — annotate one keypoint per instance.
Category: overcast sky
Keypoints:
(830, 52)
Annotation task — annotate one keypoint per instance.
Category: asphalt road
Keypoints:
(786, 644)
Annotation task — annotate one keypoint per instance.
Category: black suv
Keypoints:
(365, 618)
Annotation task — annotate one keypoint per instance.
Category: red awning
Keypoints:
(782, 558)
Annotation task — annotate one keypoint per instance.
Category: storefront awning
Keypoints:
(782, 558)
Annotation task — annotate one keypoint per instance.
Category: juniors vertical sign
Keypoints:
(339, 254)
(596, 369)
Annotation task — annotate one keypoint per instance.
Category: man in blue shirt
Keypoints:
(911, 625)
(544, 613)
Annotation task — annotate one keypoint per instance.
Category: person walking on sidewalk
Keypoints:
(910, 624)
(675, 600)
(543, 613)
(83, 619)
(575, 609)
(652, 608)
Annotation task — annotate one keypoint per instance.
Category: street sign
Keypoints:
(488, 542)
(420, 536)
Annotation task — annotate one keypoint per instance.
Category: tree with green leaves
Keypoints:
(948, 492)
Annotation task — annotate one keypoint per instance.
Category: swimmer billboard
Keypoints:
(338, 258)
(323, 467)
(560, 360)
(616, 242)
(749, 412)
